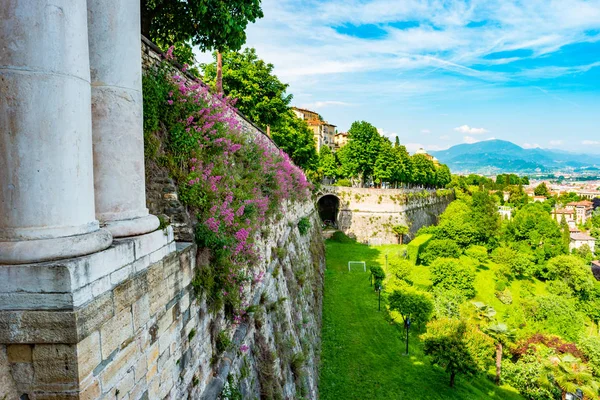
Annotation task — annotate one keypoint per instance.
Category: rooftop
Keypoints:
(582, 237)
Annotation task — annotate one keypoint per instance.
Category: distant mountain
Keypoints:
(499, 156)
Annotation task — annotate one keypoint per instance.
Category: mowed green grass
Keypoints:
(362, 354)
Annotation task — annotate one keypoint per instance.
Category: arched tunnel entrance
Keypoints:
(329, 206)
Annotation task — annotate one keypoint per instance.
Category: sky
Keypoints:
(440, 73)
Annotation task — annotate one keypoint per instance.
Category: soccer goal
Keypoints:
(355, 263)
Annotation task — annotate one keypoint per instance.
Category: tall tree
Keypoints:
(364, 144)
(386, 163)
(424, 170)
(542, 190)
(294, 137)
(443, 176)
(218, 25)
(260, 95)
(327, 162)
(486, 219)
(502, 335)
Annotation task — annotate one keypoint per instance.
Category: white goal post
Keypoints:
(351, 263)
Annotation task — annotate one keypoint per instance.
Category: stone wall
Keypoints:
(369, 214)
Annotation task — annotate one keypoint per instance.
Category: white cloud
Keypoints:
(591, 142)
(470, 130)
(531, 146)
(326, 103)
(383, 132)
(491, 138)
(556, 142)
(425, 131)
(470, 140)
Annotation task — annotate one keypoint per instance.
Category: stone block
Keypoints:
(85, 270)
(121, 274)
(22, 373)
(101, 286)
(35, 301)
(139, 391)
(92, 391)
(165, 321)
(35, 278)
(55, 364)
(19, 353)
(126, 384)
(153, 354)
(141, 368)
(129, 291)
(88, 354)
(95, 314)
(141, 264)
(117, 369)
(37, 327)
(149, 243)
(141, 312)
(116, 331)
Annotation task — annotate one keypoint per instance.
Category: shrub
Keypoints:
(401, 269)
(439, 248)
(477, 252)
(590, 347)
(304, 225)
(446, 302)
(450, 273)
(416, 246)
(341, 237)
(343, 182)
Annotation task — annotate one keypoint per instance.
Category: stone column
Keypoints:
(46, 170)
(117, 120)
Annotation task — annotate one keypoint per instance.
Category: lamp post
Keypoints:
(407, 323)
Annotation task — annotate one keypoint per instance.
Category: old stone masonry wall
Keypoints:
(369, 214)
(143, 333)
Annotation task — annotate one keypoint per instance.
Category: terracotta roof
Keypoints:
(582, 236)
(305, 110)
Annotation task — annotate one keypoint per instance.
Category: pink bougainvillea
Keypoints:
(236, 181)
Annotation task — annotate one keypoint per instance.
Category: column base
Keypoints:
(33, 251)
(132, 227)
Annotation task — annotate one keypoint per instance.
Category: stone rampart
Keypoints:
(369, 214)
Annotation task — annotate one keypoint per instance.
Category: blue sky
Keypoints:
(440, 73)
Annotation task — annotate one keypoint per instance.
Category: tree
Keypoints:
(451, 273)
(362, 150)
(259, 93)
(327, 162)
(210, 24)
(457, 347)
(542, 190)
(293, 136)
(400, 231)
(424, 170)
(412, 305)
(443, 176)
(502, 336)
(438, 248)
(386, 163)
(485, 217)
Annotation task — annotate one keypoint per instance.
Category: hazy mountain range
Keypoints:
(495, 156)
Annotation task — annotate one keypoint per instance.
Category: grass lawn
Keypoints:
(362, 355)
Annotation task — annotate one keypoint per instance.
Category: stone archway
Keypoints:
(329, 208)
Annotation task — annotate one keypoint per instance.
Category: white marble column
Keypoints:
(117, 120)
(46, 170)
